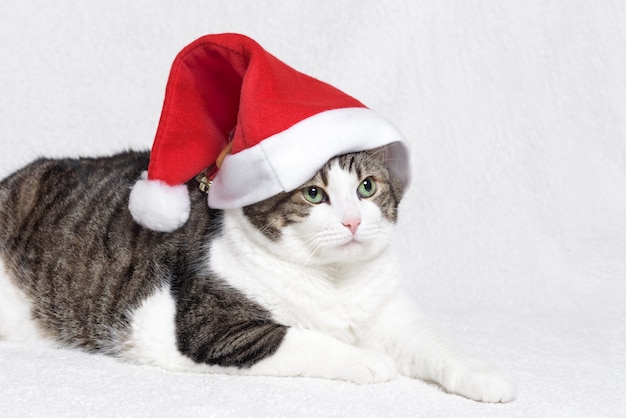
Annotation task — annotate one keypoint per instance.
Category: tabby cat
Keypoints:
(301, 284)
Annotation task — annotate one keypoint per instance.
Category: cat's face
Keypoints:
(344, 214)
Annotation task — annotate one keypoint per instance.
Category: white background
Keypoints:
(512, 236)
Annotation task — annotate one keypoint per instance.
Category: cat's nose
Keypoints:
(352, 224)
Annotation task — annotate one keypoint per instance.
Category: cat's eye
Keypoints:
(314, 195)
(367, 188)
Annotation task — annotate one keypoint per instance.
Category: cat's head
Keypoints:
(345, 213)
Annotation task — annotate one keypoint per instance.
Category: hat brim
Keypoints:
(286, 160)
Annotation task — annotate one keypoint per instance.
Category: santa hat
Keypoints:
(258, 125)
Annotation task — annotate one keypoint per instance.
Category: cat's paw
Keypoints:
(486, 385)
(307, 353)
(365, 367)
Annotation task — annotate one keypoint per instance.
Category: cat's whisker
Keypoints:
(269, 225)
(312, 250)
(311, 245)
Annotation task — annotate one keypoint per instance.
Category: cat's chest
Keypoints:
(336, 302)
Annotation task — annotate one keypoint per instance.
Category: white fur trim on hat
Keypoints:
(289, 158)
(159, 206)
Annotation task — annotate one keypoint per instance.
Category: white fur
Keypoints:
(309, 353)
(159, 206)
(334, 299)
(16, 322)
(347, 316)
(152, 339)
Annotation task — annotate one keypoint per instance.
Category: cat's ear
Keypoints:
(378, 154)
(385, 155)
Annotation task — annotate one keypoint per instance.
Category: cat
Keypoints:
(301, 284)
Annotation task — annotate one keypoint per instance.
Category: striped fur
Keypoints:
(70, 245)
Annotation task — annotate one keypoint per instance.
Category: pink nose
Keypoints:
(352, 224)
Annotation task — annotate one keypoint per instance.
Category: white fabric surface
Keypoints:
(513, 234)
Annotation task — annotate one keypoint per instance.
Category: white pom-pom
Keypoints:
(159, 206)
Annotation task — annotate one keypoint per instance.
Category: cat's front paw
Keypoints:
(312, 354)
(486, 385)
(366, 367)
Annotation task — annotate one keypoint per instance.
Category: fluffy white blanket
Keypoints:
(513, 235)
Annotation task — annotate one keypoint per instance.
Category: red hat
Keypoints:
(274, 127)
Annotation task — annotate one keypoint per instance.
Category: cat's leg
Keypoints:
(244, 346)
(16, 321)
(418, 350)
(307, 353)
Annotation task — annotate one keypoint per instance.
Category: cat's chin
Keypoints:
(352, 251)
(358, 246)
(350, 245)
